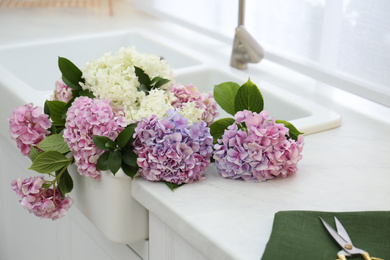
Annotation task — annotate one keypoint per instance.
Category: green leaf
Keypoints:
(173, 186)
(54, 142)
(144, 88)
(65, 184)
(217, 128)
(102, 162)
(34, 152)
(67, 106)
(125, 135)
(46, 109)
(292, 129)
(54, 130)
(129, 170)
(161, 82)
(155, 80)
(143, 78)
(46, 185)
(224, 95)
(104, 143)
(248, 97)
(56, 109)
(130, 158)
(49, 162)
(115, 161)
(86, 93)
(71, 75)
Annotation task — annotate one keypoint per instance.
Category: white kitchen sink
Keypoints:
(30, 71)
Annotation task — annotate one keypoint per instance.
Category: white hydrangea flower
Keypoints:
(158, 102)
(112, 77)
(191, 112)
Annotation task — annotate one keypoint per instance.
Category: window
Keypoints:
(343, 43)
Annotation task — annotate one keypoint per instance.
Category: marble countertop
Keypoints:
(343, 169)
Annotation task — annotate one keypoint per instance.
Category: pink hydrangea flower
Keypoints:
(44, 203)
(259, 152)
(28, 126)
(85, 118)
(169, 149)
(190, 93)
(62, 92)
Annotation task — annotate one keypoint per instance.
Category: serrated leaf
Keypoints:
(125, 136)
(54, 142)
(173, 186)
(248, 97)
(104, 143)
(49, 162)
(102, 162)
(224, 95)
(143, 78)
(217, 128)
(71, 75)
(65, 184)
(56, 109)
(115, 161)
(130, 158)
(34, 152)
(293, 131)
(129, 170)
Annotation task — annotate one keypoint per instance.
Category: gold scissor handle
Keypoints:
(341, 257)
(365, 255)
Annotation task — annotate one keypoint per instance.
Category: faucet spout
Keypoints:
(245, 49)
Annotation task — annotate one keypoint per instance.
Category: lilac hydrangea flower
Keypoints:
(259, 152)
(190, 93)
(28, 126)
(62, 92)
(44, 203)
(85, 118)
(169, 149)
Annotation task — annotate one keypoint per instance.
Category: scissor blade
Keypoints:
(342, 232)
(339, 239)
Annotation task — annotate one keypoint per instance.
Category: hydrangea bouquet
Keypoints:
(252, 146)
(121, 111)
(124, 111)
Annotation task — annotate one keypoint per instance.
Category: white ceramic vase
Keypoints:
(109, 205)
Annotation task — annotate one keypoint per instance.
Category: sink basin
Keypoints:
(36, 63)
(29, 70)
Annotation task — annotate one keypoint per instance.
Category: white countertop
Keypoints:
(343, 169)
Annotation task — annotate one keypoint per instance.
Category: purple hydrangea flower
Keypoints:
(28, 126)
(259, 152)
(169, 149)
(44, 203)
(85, 118)
(62, 92)
(190, 93)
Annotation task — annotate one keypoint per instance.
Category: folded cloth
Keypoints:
(301, 235)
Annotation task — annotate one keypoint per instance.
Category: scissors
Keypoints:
(342, 238)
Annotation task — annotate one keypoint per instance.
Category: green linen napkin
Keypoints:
(301, 235)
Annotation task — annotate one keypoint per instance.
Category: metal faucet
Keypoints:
(245, 47)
